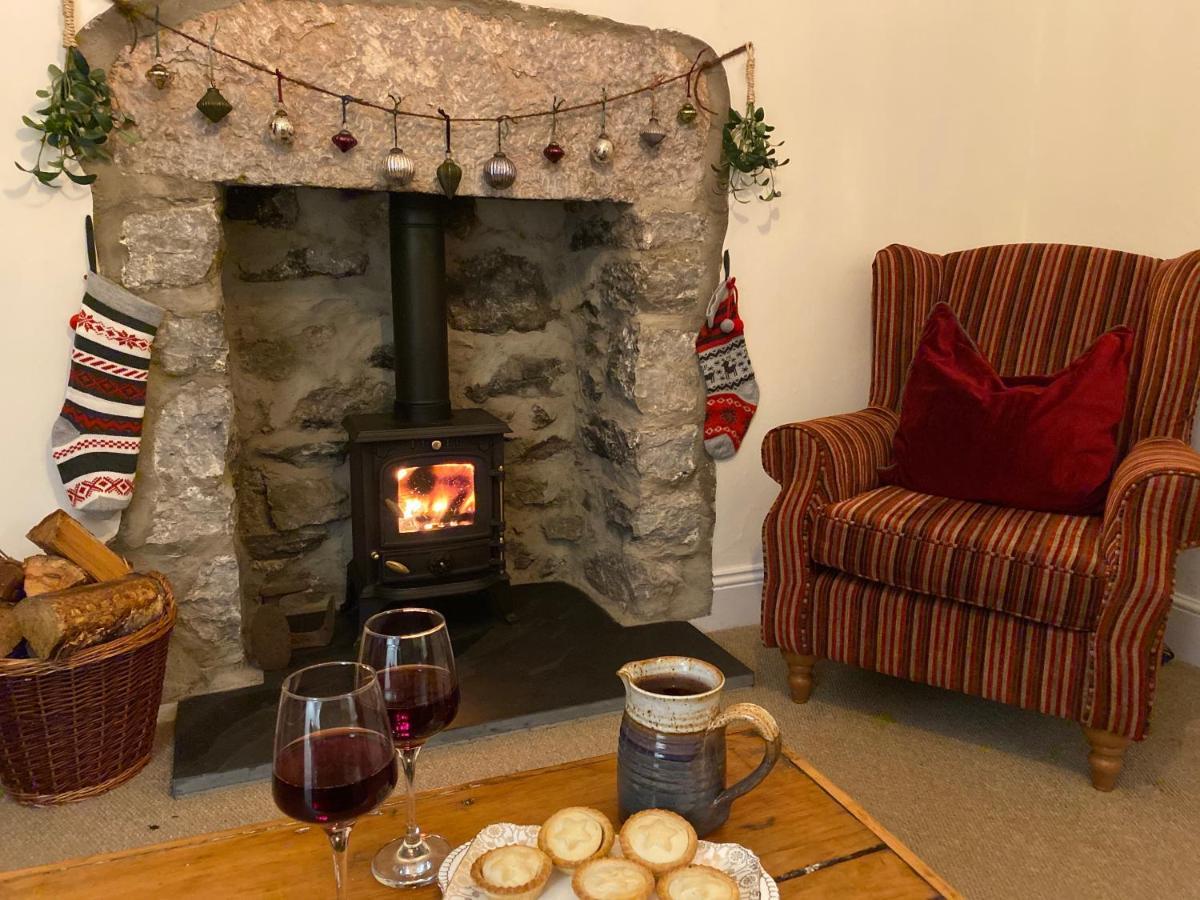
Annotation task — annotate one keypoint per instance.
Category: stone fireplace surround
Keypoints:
(574, 296)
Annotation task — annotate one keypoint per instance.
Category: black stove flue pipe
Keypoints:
(418, 255)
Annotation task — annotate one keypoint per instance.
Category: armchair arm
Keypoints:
(844, 452)
(815, 462)
(1152, 512)
(1157, 485)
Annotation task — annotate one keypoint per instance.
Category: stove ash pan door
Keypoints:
(437, 517)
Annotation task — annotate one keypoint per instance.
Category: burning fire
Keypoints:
(433, 497)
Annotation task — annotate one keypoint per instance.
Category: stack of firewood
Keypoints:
(77, 594)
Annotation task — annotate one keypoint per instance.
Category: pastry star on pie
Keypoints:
(697, 883)
(515, 872)
(574, 835)
(658, 839)
(611, 878)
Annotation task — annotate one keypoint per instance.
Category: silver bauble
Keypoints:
(397, 167)
(652, 135)
(602, 149)
(280, 127)
(499, 171)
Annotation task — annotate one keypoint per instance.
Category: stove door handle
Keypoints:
(397, 566)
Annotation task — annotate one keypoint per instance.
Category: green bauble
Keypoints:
(449, 174)
(687, 113)
(213, 104)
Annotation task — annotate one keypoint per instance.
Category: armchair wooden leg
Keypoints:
(1108, 753)
(800, 675)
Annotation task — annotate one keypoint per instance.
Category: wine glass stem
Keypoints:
(408, 763)
(339, 839)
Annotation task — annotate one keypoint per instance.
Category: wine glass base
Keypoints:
(398, 865)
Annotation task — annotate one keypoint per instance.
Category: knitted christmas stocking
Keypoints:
(728, 375)
(95, 440)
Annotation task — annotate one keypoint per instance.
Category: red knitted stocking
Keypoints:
(728, 375)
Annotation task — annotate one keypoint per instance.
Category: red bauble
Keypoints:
(344, 141)
(554, 152)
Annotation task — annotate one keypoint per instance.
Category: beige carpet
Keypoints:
(995, 799)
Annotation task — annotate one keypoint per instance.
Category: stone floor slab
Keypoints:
(557, 661)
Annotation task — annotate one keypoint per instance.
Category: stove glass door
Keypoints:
(431, 497)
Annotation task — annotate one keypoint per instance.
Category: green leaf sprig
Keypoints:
(75, 123)
(748, 160)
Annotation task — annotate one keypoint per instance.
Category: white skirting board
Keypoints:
(737, 598)
(737, 595)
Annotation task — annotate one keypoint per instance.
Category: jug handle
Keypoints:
(767, 728)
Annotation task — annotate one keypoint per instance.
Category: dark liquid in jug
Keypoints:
(671, 685)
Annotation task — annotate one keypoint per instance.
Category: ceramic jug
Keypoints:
(671, 752)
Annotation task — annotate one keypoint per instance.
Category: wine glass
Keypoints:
(410, 650)
(333, 753)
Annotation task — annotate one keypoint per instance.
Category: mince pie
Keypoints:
(612, 878)
(658, 839)
(515, 872)
(697, 883)
(574, 835)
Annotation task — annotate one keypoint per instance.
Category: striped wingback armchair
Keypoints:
(1057, 613)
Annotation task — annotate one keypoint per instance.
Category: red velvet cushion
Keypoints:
(1045, 442)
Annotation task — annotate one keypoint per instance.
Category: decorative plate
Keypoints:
(454, 877)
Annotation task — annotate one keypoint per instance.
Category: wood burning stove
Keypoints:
(427, 505)
(427, 481)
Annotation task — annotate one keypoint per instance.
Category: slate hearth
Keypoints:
(557, 661)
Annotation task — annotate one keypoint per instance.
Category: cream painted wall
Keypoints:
(934, 122)
(42, 261)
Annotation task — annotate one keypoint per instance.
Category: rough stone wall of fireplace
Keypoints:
(574, 296)
(543, 334)
(307, 305)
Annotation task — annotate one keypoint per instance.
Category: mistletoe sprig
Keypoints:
(75, 122)
(748, 159)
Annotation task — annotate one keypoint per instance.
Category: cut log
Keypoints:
(58, 625)
(58, 533)
(12, 579)
(10, 630)
(46, 574)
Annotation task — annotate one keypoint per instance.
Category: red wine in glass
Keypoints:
(421, 700)
(333, 757)
(411, 653)
(334, 775)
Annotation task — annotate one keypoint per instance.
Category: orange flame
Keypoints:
(429, 498)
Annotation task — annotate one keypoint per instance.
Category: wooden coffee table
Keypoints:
(810, 836)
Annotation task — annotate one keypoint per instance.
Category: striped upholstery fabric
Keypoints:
(1036, 565)
(1164, 399)
(817, 462)
(948, 644)
(1153, 511)
(1012, 300)
(1057, 613)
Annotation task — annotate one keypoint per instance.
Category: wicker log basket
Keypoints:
(75, 728)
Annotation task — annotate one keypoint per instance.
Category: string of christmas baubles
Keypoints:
(499, 172)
